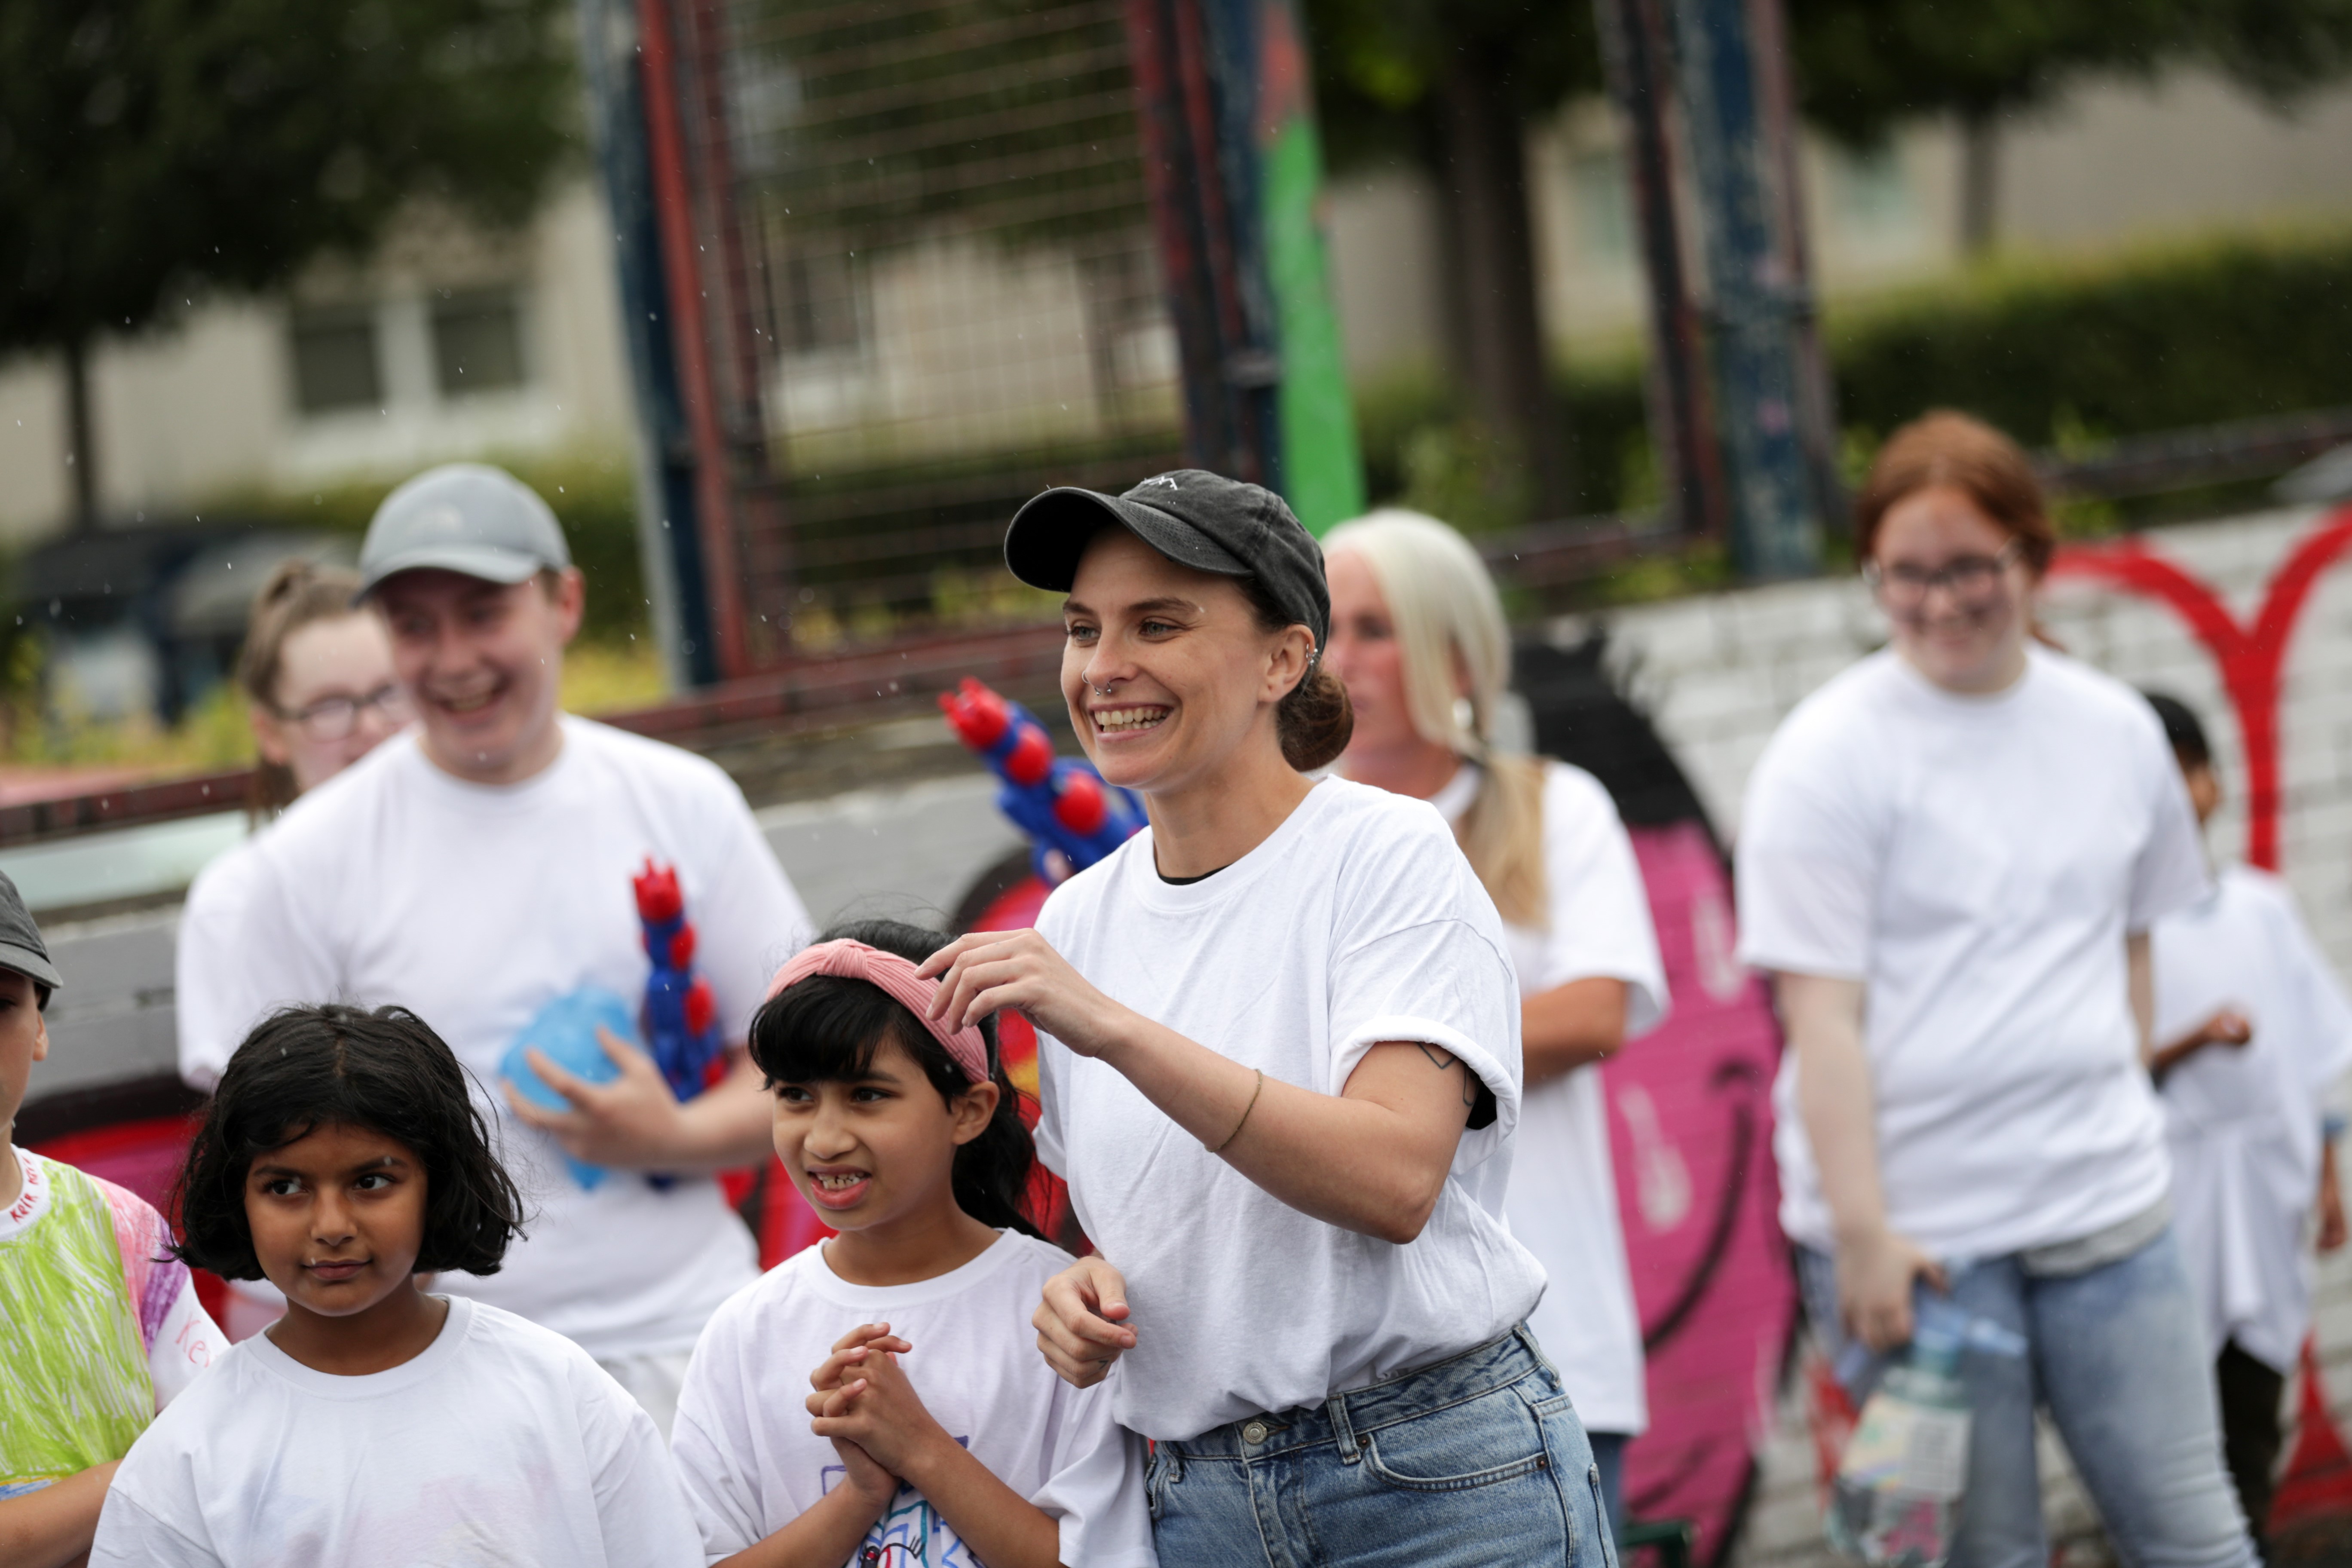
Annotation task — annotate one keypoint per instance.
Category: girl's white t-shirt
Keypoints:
(1977, 862)
(475, 906)
(751, 1466)
(2243, 1123)
(500, 1443)
(1356, 921)
(1564, 1197)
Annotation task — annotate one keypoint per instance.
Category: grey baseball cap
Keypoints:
(21, 947)
(468, 518)
(1192, 517)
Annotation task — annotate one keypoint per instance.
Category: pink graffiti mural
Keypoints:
(1690, 1128)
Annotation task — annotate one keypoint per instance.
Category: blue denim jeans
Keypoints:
(2117, 1354)
(1474, 1461)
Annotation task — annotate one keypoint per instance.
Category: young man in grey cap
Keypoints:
(479, 867)
(99, 1327)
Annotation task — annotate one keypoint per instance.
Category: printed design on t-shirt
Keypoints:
(153, 1276)
(74, 1387)
(911, 1535)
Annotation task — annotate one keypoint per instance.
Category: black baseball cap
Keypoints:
(21, 947)
(1194, 518)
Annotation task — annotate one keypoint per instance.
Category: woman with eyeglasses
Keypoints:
(1950, 861)
(321, 695)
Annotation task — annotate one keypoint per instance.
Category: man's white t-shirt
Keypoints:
(1564, 1197)
(474, 906)
(1356, 921)
(209, 963)
(2244, 1124)
(751, 1466)
(500, 1443)
(1978, 863)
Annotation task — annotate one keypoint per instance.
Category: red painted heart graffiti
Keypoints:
(2251, 657)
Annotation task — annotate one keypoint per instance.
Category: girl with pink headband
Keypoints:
(932, 1422)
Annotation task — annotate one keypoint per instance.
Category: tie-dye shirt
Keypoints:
(103, 1323)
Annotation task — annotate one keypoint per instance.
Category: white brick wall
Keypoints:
(1717, 675)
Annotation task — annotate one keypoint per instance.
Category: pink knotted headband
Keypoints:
(847, 960)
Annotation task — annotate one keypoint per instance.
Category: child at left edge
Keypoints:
(103, 1324)
(936, 1434)
(375, 1425)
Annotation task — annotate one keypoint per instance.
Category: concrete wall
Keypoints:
(1717, 675)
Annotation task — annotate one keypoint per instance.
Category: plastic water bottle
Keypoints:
(1898, 1487)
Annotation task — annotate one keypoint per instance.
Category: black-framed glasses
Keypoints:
(1971, 578)
(334, 718)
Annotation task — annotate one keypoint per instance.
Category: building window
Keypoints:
(336, 364)
(478, 342)
(1603, 205)
(1870, 190)
(822, 303)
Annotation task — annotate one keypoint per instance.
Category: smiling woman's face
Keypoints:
(1167, 672)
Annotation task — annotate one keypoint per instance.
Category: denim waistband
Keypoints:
(1503, 1360)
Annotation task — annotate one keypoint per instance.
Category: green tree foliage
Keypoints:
(1380, 65)
(151, 148)
(1864, 66)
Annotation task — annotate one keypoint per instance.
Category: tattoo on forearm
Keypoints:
(1444, 1060)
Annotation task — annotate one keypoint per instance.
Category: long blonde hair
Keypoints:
(1451, 635)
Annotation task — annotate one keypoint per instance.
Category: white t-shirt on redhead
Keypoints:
(1564, 1197)
(1356, 921)
(474, 906)
(1978, 863)
(500, 1442)
(751, 1466)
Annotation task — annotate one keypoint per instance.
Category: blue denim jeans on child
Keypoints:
(2117, 1354)
(1475, 1461)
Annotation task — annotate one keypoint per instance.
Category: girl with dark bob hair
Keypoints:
(309, 1067)
(342, 1156)
(906, 1134)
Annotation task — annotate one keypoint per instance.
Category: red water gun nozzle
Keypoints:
(658, 895)
(978, 715)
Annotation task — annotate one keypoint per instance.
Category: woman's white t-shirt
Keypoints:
(751, 1466)
(1564, 1197)
(1356, 921)
(1978, 863)
(500, 1442)
(2245, 1122)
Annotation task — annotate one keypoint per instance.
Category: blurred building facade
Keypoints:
(451, 344)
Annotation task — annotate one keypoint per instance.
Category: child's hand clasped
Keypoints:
(863, 1398)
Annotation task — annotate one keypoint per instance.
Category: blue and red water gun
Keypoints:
(1060, 803)
(681, 1013)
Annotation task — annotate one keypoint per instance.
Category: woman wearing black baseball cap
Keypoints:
(1280, 1071)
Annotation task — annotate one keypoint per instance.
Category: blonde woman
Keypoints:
(1418, 635)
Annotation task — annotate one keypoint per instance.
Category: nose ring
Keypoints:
(1100, 691)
